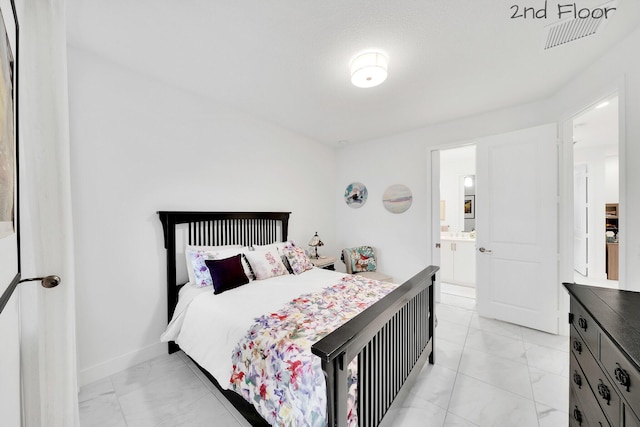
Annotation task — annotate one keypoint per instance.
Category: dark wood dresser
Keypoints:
(604, 371)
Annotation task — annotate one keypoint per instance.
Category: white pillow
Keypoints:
(196, 268)
(278, 246)
(266, 263)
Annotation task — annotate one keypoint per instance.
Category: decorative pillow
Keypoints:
(266, 264)
(199, 274)
(227, 273)
(197, 264)
(198, 270)
(226, 253)
(278, 246)
(298, 260)
(362, 259)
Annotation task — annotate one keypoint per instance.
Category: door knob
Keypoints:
(483, 250)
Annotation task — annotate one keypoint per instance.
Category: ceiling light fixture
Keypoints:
(369, 69)
(468, 181)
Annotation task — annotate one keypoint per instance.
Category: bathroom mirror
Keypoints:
(469, 202)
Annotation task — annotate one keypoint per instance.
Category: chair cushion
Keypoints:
(360, 259)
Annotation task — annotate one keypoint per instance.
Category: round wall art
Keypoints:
(397, 198)
(355, 195)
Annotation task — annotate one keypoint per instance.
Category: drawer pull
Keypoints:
(577, 415)
(577, 379)
(604, 392)
(577, 346)
(582, 322)
(622, 376)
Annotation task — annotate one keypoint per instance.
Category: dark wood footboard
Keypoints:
(391, 340)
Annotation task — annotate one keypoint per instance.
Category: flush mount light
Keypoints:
(369, 69)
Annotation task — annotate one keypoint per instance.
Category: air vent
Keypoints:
(569, 30)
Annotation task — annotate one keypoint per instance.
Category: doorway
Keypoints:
(516, 214)
(596, 195)
(458, 225)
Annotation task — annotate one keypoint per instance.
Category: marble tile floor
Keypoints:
(487, 373)
(458, 290)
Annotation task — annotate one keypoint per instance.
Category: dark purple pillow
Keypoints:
(226, 273)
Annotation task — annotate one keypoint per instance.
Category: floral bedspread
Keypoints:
(273, 367)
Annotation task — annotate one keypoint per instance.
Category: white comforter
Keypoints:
(207, 327)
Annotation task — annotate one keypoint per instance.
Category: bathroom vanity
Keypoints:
(458, 260)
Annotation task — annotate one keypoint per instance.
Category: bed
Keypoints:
(371, 359)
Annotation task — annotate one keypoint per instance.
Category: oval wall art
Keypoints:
(397, 198)
(355, 195)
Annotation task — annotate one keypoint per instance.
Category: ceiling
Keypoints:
(287, 61)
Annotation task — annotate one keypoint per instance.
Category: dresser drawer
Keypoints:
(586, 326)
(623, 375)
(579, 348)
(604, 393)
(581, 388)
(630, 419)
(577, 416)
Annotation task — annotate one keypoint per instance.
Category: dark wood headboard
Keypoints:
(216, 229)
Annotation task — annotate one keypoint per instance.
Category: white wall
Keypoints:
(611, 179)
(405, 240)
(139, 146)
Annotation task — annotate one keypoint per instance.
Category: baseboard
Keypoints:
(115, 365)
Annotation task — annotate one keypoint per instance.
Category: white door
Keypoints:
(10, 402)
(10, 395)
(517, 217)
(435, 215)
(580, 212)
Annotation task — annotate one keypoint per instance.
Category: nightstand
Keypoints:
(326, 262)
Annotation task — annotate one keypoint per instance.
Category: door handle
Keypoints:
(485, 251)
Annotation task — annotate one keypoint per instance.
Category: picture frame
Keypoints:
(7, 135)
(9, 144)
(469, 207)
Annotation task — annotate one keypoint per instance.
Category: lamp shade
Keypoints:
(369, 69)
(315, 241)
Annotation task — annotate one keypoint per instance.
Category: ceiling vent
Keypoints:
(575, 28)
